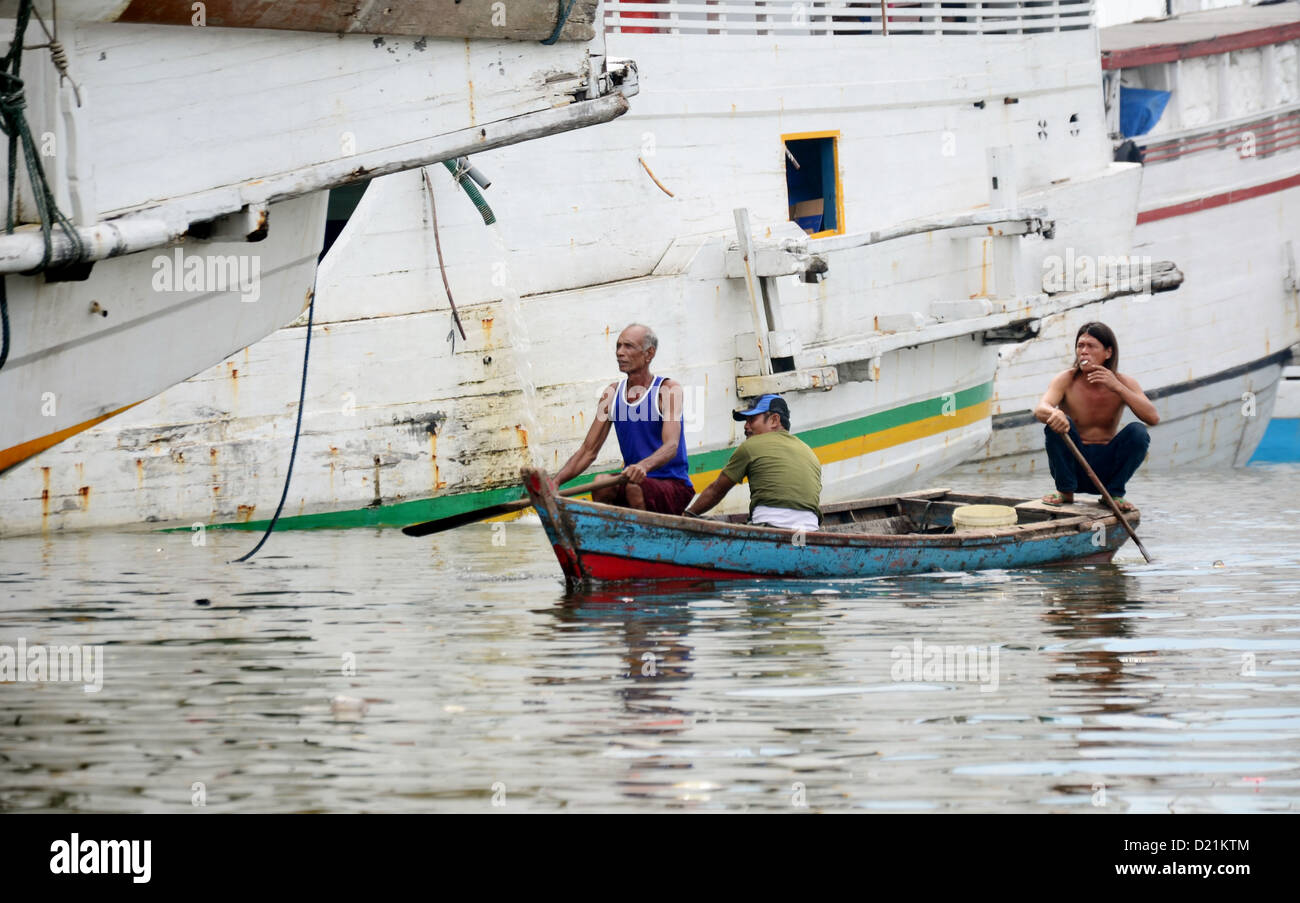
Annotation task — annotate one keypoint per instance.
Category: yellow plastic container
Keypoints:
(983, 517)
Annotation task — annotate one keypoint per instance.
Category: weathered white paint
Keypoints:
(284, 101)
(177, 127)
(79, 350)
(168, 220)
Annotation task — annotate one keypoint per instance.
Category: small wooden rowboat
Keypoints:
(908, 533)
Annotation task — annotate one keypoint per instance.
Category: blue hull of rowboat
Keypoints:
(892, 535)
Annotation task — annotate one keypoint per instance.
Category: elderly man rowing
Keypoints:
(646, 413)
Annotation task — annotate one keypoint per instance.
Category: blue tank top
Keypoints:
(640, 432)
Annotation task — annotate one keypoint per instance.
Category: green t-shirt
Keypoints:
(783, 472)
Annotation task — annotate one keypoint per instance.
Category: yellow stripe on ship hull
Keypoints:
(888, 438)
(24, 450)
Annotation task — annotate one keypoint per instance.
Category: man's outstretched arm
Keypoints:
(712, 494)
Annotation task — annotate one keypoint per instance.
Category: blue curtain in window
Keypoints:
(1140, 110)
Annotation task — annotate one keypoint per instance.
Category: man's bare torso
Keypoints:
(1095, 410)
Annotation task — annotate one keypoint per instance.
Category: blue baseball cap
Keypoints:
(768, 404)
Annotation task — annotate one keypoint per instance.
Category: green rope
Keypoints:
(559, 26)
(14, 124)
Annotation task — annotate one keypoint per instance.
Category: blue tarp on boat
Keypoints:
(1140, 109)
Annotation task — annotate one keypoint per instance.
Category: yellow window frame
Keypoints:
(839, 188)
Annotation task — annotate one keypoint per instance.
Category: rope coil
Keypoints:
(13, 122)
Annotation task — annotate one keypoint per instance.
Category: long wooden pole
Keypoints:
(745, 242)
(452, 521)
(1078, 456)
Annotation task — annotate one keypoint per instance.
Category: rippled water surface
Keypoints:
(1119, 688)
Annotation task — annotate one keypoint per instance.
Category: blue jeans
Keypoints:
(1113, 463)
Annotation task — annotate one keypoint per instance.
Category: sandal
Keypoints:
(1056, 500)
(1123, 504)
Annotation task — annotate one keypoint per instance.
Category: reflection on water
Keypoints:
(1125, 687)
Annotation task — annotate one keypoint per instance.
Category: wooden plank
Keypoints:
(523, 20)
(1168, 53)
(898, 525)
(883, 500)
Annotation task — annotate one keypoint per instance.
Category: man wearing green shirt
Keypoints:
(785, 477)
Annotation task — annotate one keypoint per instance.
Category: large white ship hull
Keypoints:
(400, 425)
(193, 163)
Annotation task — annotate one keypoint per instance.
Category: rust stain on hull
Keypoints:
(433, 459)
(45, 499)
(234, 385)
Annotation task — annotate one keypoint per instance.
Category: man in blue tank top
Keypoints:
(646, 413)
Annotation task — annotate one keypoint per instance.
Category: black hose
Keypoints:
(297, 429)
(4, 324)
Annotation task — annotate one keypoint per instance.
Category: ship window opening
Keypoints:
(812, 181)
(342, 203)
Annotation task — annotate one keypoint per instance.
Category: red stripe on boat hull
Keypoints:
(1218, 200)
(597, 566)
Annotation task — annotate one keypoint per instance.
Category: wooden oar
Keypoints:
(1078, 456)
(453, 521)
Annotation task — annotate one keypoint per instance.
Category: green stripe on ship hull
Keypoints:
(399, 514)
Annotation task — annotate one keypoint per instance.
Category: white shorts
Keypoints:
(785, 518)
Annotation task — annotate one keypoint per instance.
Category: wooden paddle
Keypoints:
(1078, 456)
(453, 521)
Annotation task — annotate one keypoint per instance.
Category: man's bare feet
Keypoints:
(1057, 499)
